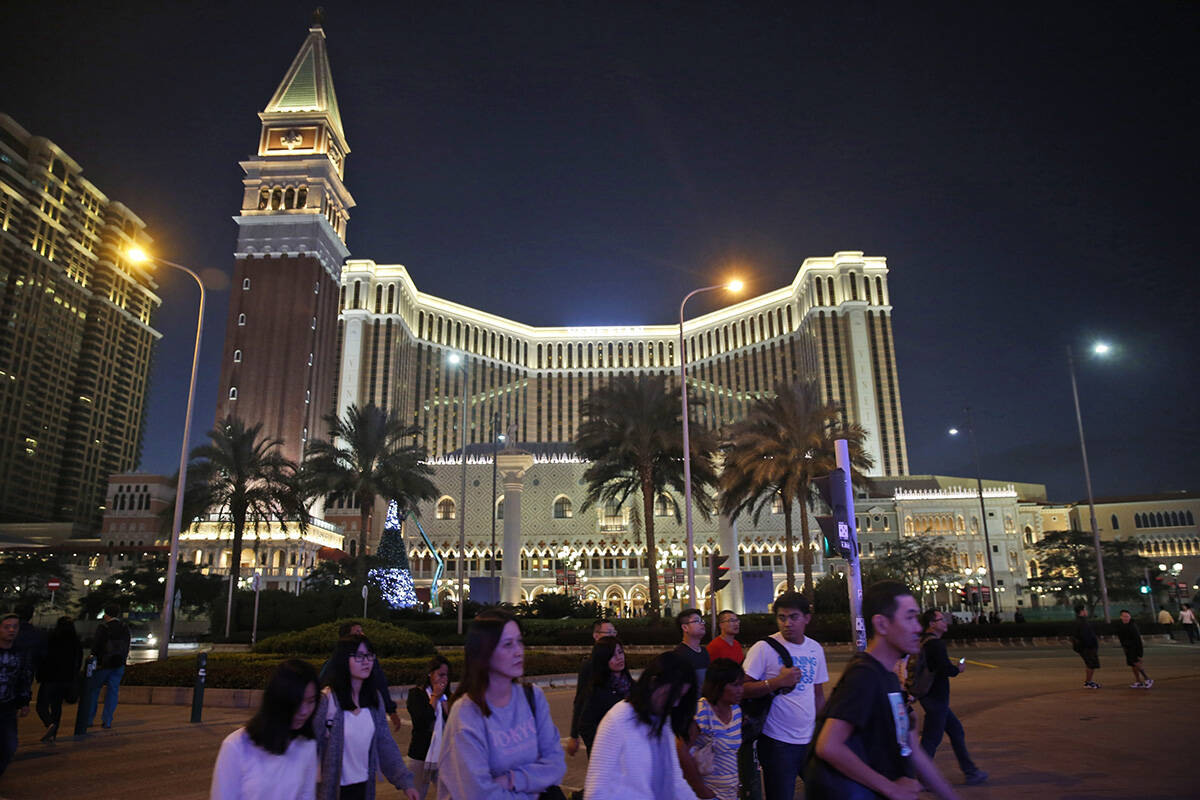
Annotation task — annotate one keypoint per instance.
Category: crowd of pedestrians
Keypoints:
(718, 721)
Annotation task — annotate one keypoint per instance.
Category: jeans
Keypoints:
(112, 679)
(50, 701)
(1191, 632)
(8, 738)
(748, 773)
(940, 719)
(782, 764)
(353, 791)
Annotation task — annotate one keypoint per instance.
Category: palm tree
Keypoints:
(247, 479)
(632, 432)
(775, 452)
(371, 453)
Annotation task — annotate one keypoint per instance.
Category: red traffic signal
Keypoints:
(718, 572)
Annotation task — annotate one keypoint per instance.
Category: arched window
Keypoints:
(1137, 520)
(1190, 519)
(237, 356)
(245, 284)
(302, 197)
(391, 301)
(1158, 519)
(289, 198)
(241, 320)
(563, 508)
(264, 198)
(500, 507)
(820, 293)
(379, 298)
(233, 393)
(664, 506)
(1115, 525)
(1174, 519)
(276, 199)
(879, 290)
(445, 508)
(777, 504)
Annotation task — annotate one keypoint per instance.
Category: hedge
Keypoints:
(251, 670)
(389, 641)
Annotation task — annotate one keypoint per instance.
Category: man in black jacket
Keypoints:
(1084, 642)
(939, 719)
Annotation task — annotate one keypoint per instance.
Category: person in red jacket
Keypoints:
(725, 645)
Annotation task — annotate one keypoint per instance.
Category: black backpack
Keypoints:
(116, 645)
(920, 676)
(755, 709)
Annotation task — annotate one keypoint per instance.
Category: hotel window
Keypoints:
(500, 508)
(241, 320)
(445, 508)
(237, 356)
(563, 508)
(664, 506)
(233, 393)
(1115, 525)
(245, 284)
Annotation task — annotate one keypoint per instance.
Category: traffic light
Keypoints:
(718, 574)
(836, 527)
(1144, 589)
(963, 596)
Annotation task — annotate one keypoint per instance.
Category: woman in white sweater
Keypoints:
(633, 756)
(274, 757)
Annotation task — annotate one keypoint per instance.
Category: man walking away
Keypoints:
(1131, 642)
(939, 719)
(583, 684)
(799, 694)
(1084, 642)
(30, 638)
(110, 648)
(726, 645)
(16, 687)
(1165, 619)
(1188, 618)
(864, 736)
(691, 626)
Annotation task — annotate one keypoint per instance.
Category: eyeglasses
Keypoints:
(363, 657)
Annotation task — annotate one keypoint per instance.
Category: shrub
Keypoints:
(390, 641)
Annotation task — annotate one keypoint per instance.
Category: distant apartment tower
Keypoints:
(280, 360)
(76, 340)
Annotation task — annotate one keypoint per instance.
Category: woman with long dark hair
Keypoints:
(611, 683)
(355, 742)
(58, 671)
(275, 754)
(499, 741)
(633, 756)
(428, 704)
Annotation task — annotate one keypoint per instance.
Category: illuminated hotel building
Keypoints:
(832, 323)
(77, 341)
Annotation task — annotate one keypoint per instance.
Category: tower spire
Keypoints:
(305, 96)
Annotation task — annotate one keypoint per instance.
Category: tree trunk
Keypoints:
(365, 506)
(789, 559)
(651, 549)
(806, 543)
(235, 566)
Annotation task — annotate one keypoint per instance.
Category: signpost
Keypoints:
(53, 585)
(257, 581)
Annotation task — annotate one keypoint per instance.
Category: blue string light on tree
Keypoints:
(393, 577)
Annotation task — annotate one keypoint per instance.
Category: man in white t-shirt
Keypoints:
(799, 695)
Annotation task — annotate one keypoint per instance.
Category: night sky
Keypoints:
(1029, 171)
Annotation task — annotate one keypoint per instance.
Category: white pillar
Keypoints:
(511, 466)
(863, 399)
(732, 597)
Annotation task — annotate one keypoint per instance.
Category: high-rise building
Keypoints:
(280, 359)
(76, 341)
(831, 324)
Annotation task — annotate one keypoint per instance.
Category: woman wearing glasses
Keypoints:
(355, 743)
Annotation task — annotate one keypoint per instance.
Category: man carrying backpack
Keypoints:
(110, 648)
(788, 671)
(929, 682)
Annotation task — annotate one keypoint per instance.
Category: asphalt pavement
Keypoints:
(1029, 723)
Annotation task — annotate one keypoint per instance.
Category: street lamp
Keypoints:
(734, 286)
(1100, 349)
(1174, 572)
(139, 256)
(460, 362)
(987, 542)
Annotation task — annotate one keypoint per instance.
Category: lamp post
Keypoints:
(733, 286)
(139, 256)
(1100, 349)
(987, 542)
(460, 362)
(495, 447)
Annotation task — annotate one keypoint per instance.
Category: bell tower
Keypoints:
(280, 360)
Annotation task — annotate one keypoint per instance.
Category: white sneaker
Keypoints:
(1149, 682)
(1138, 685)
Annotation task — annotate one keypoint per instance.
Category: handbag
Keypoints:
(550, 792)
(703, 755)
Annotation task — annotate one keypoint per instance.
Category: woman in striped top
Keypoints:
(719, 720)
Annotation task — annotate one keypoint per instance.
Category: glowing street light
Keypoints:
(734, 286)
(987, 542)
(139, 256)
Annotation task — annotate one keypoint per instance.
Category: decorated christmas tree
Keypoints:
(392, 576)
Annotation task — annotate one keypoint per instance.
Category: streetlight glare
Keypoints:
(137, 255)
(1101, 348)
(953, 431)
(735, 285)
(455, 359)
